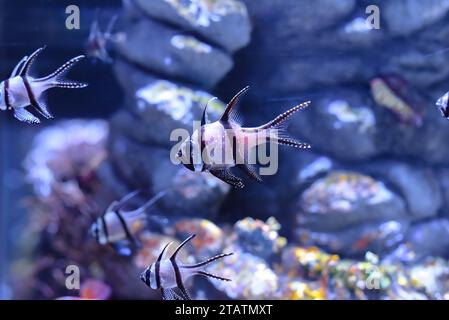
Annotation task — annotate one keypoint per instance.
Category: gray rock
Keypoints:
(379, 238)
(224, 22)
(427, 143)
(418, 186)
(443, 177)
(159, 108)
(293, 16)
(337, 122)
(165, 51)
(429, 239)
(298, 169)
(344, 199)
(195, 194)
(131, 78)
(312, 72)
(418, 67)
(404, 17)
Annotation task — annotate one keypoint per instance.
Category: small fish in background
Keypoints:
(118, 228)
(443, 105)
(98, 41)
(167, 275)
(219, 134)
(395, 94)
(21, 90)
(91, 289)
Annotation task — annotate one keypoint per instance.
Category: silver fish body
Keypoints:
(118, 226)
(219, 146)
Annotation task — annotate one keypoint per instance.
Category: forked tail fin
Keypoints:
(56, 79)
(280, 124)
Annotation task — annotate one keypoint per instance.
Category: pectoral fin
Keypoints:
(25, 116)
(226, 176)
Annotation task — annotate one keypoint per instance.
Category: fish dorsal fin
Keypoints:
(161, 255)
(110, 26)
(227, 114)
(94, 30)
(173, 257)
(29, 62)
(122, 202)
(18, 67)
(147, 204)
(204, 118)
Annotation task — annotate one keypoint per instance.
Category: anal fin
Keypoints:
(226, 176)
(170, 294)
(250, 170)
(41, 107)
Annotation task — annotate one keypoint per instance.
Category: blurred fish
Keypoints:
(118, 228)
(91, 289)
(394, 93)
(221, 145)
(97, 43)
(443, 105)
(22, 90)
(167, 274)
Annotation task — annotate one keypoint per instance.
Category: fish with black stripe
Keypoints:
(118, 228)
(98, 41)
(21, 90)
(227, 133)
(167, 274)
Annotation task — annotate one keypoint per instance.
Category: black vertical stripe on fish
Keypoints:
(105, 228)
(229, 129)
(203, 147)
(191, 153)
(124, 226)
(148, 277)
(30, 93)
(97, 233)
(157, 266)
(202, 141)
(179, 282)
(6, 88)
(157, 271)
